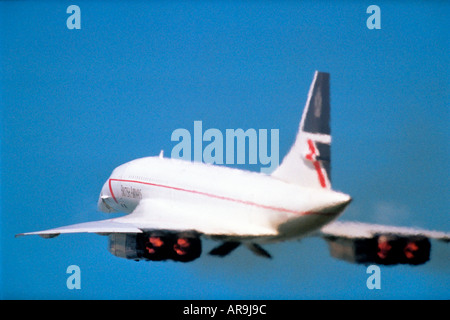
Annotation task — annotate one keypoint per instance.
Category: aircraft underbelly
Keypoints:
(302, 226)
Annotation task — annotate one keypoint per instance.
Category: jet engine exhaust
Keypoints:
(156, 246)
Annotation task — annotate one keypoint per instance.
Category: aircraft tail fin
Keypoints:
(308, 163)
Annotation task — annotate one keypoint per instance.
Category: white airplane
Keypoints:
(171, 203)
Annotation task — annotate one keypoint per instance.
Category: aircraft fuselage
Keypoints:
(289, 210)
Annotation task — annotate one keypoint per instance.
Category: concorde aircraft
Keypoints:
(170, 204)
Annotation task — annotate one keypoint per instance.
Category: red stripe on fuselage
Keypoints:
(211, 196)
(111, 191)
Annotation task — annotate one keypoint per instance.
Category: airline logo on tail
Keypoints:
(308, 163)
(314, 157)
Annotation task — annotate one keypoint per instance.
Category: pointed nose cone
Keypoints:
(105, 201)
(101, 205)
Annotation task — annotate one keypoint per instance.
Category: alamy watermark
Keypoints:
(74, 280)
(74, 20)
(234, 147)
(374, 20)
(374, 280)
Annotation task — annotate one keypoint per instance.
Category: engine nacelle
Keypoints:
(156, 246)
(384, 249)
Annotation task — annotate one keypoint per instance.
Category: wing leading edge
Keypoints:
(99, 227)
(157, 230)
(152, 215)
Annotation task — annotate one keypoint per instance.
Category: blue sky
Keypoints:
(77, 103)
